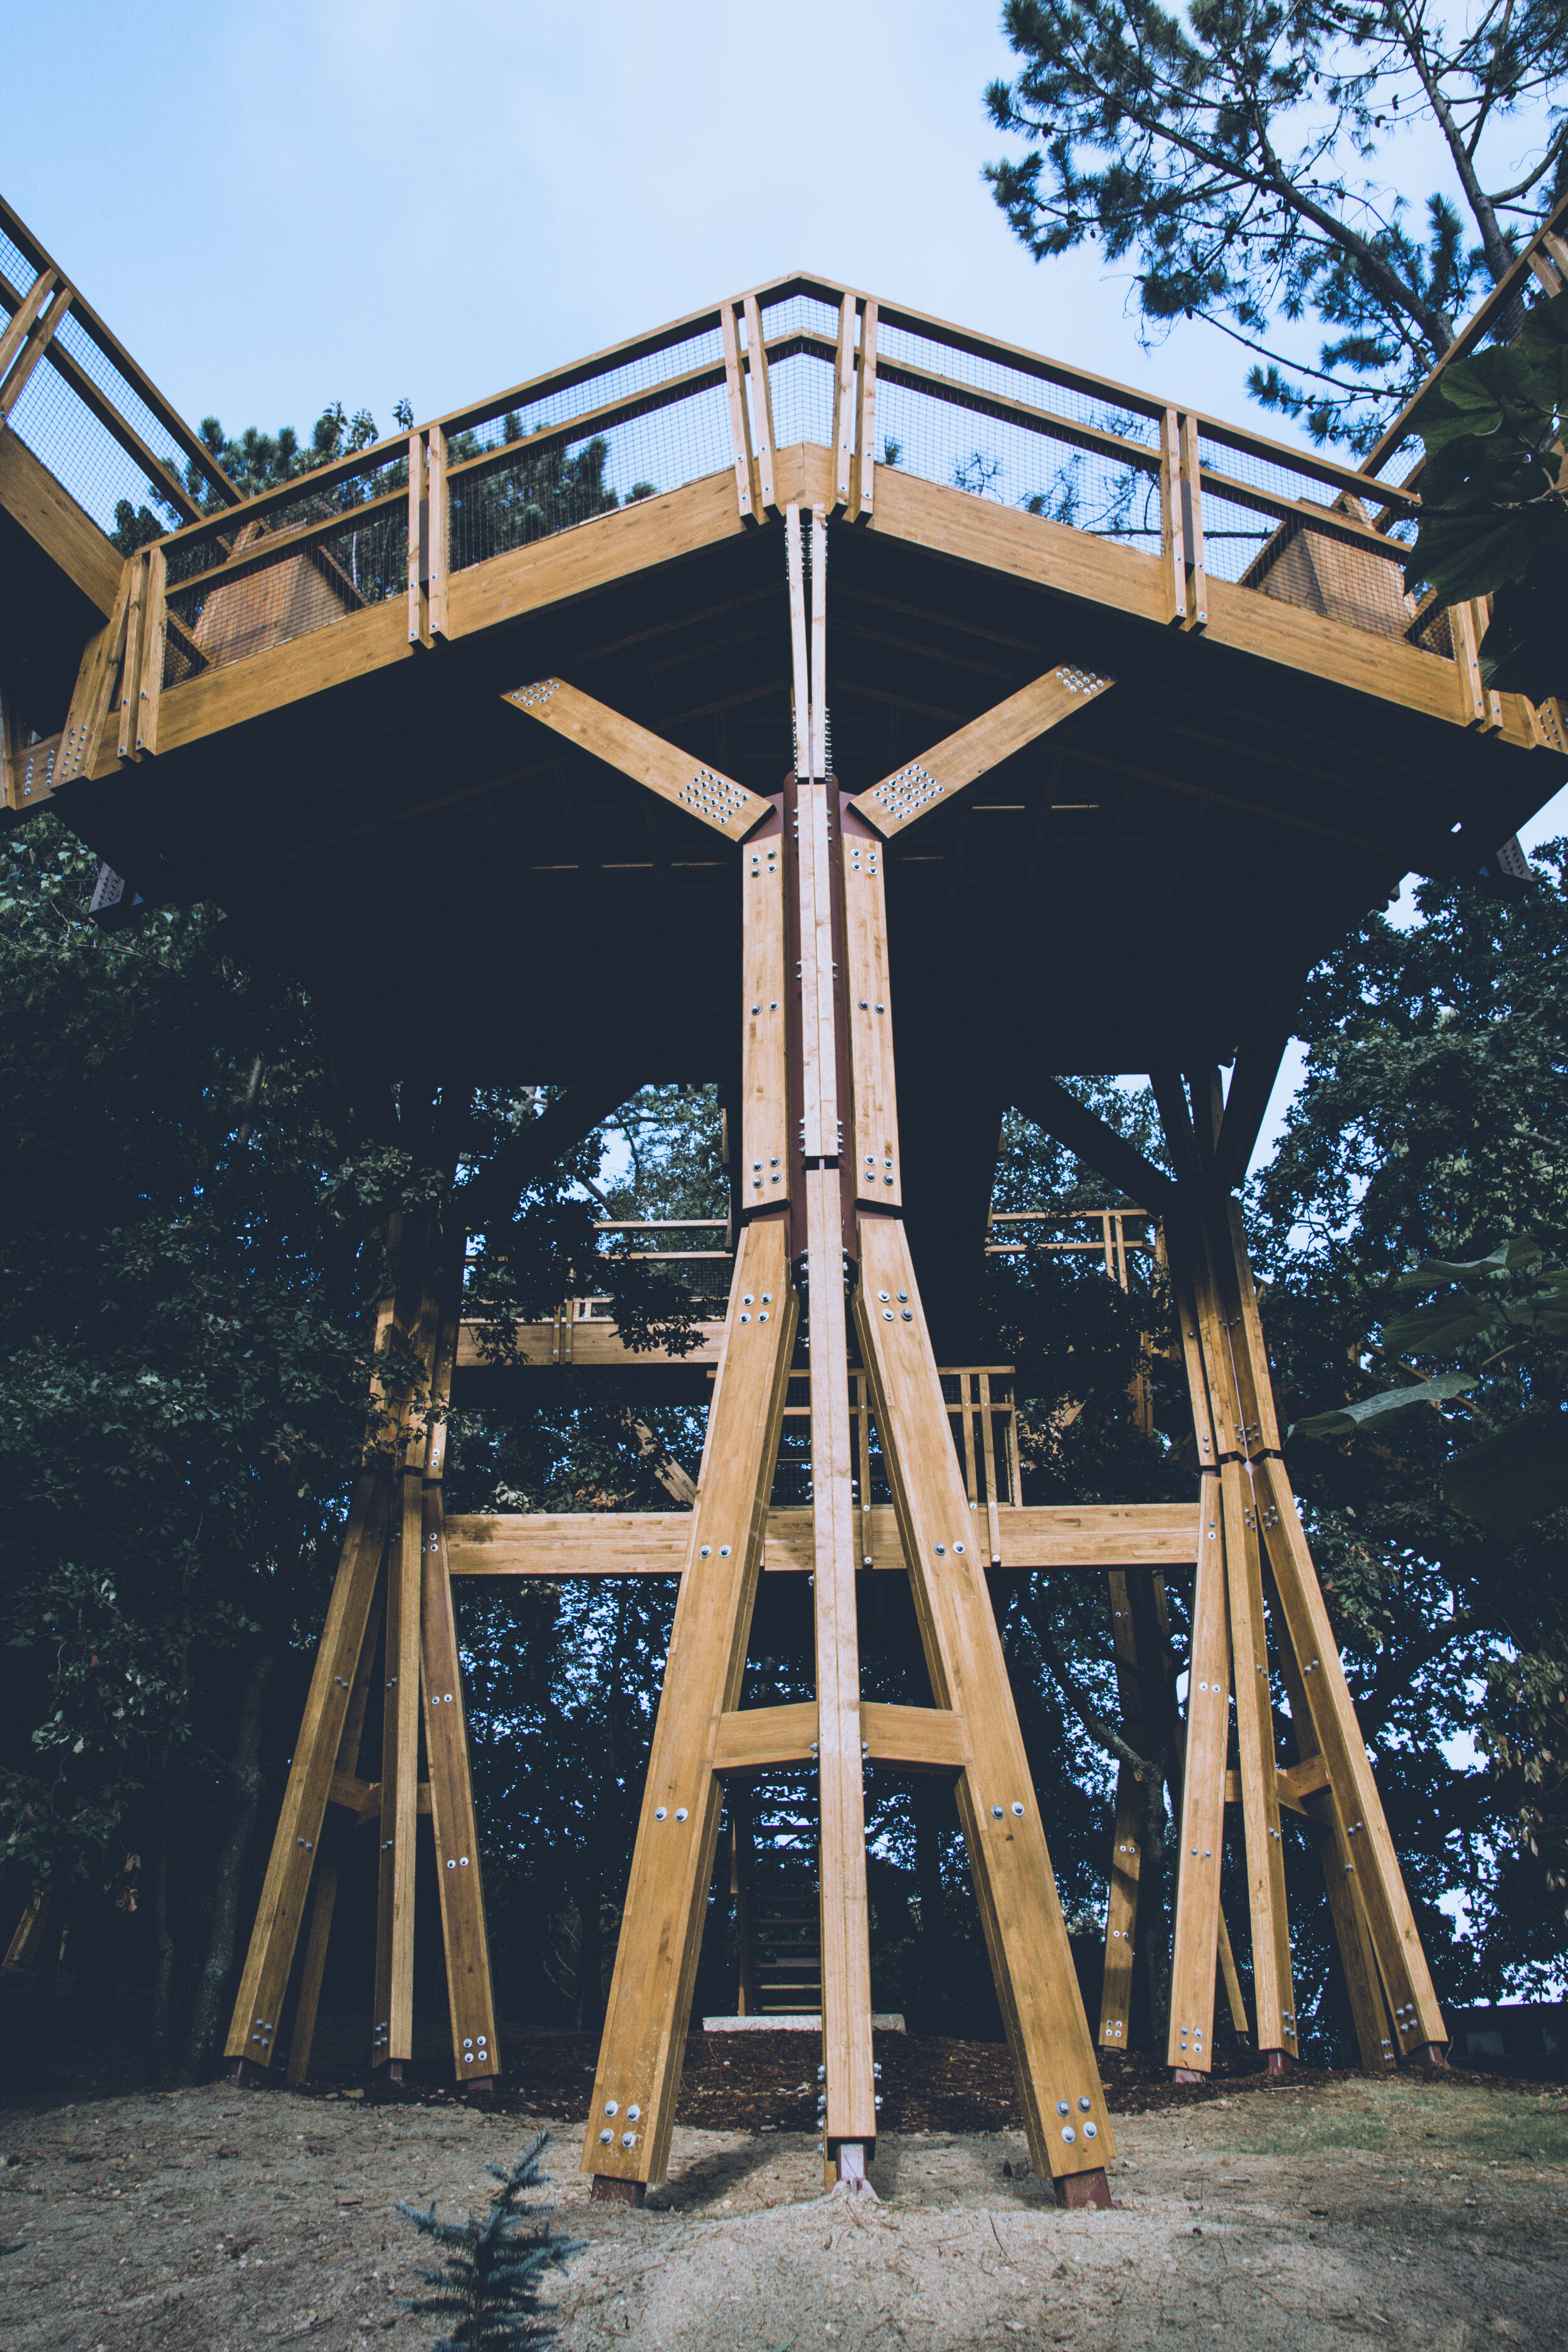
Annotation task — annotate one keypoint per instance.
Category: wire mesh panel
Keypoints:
(277, 593)
(62, 430)
(967, 447)
(533, 485)
(1326, 570)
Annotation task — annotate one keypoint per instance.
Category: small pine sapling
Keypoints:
(490, 2283)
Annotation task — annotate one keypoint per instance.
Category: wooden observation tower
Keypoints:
(884, 722)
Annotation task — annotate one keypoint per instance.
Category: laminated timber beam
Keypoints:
(934, 780)
(555, 1544)
(714, 799)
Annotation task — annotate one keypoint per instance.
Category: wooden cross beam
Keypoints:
(939, 775)
(714, 799)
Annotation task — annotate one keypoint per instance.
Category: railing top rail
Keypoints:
(114, 351)
(536, 389)
(1470, 335)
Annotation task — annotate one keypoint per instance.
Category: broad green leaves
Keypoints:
(1347, 1419)
(1494, 499)
(1519, 1470)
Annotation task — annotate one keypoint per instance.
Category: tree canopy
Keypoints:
(1255, 162)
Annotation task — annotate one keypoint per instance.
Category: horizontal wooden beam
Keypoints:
(1296, 1783)
(939, 775)
(363, 1798)
(553, 1544)
(1051, 1106)
(714, 799)
(919, 1739)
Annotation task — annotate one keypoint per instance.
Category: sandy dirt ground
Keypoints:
(1334, 2213)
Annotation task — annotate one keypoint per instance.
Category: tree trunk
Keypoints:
(210, 1998)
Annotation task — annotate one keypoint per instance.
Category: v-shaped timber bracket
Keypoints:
(821, 1204)
(714, 799)
(939, 775)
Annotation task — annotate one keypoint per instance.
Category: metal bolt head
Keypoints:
(660, 1812)
(996, 1816)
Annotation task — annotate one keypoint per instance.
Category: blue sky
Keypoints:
(334, 202)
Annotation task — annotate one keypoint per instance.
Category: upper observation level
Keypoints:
(1097, 664)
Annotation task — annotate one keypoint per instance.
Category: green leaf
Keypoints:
(1347, 1419)
(1445, 1326)
(1525, 649)
(1517, 1251)
(1507, 1481)
(1464, 554)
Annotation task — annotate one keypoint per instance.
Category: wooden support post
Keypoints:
(419, 540)
(20, 325)
(1058, 2082)
(863, 488)
(762, 402)
(130, 669)
(17, 367)
(154, 632)
(844, 405)
(392, 2035)
(1196, 584)
(438, 535)
(638, 2076)
(746, 497)
(1273, 1996)
(475, 2056)
(851, 2113)
(1173, 548)
(1200, 1850)
(1303, 1622)
(323, 1900)
(270, 1958)
(100, 666)
(1127, 1843)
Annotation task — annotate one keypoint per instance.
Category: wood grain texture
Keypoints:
(851, 2113)
(391, 2032)
(1058, 2082)
(470, 1999)
(50, 517)
(714, 799)
(764, 1096)
(868, 1013)
(653, 1543)
(1200, 1853)
(921, 786)
(270, 1957)
(650, 1995)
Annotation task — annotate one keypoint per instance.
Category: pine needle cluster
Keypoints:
(490, 2282)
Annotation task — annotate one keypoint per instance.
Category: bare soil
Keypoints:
(1330, 2212)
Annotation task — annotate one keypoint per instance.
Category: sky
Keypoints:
(336, 203)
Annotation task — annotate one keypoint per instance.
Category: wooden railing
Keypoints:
(72, 393)
(725, 393)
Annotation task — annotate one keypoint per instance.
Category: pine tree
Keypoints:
(490, 2279)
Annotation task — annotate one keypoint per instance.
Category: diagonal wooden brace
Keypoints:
(939, 775)
(638, 2077)
(1053, 2055)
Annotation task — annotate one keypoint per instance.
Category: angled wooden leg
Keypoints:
(1304, 1621)
(1196, 1945)
(1231, 1981)
(851, 2114)
(1059, 2081)
(392, 2035)
(1271, 1981)
(475, 2056)
(1127, 1843)
(270, 1959)
(323, 1900)
(1368, 1850)
(640, 2057)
